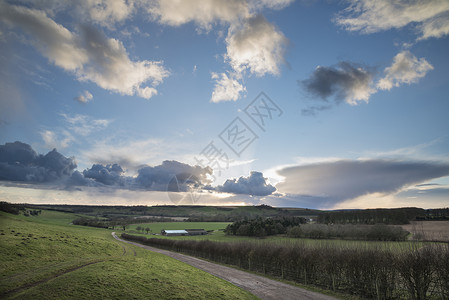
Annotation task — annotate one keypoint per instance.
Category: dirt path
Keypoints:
(260, 286)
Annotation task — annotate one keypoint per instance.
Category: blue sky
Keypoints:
(352, 96)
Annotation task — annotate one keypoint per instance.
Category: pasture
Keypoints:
(44, 257)
(219, 236)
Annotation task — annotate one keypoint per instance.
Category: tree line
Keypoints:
(421, 272)
(395, 216)
(16, 209)
(262, 227)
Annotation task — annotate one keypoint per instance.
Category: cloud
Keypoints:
(203, 13)
(158, 177)
(110, 67)
(102, 12)
(313, 110)
(90, 55)
(19, 162)
(51, 140)
(84, 125)
(406, 68)
(349, 179)
(255, 45)
(84, 97)
(255, 184)
(206, 13)
(272, 4)
(108, 175)
(105, 12)
(430, 17)
(347, 81)
(227, 88)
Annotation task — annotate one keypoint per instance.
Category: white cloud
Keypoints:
(84, 97)
(227, 88)
(52, 141)
(431, 16)
(91, 56)
(255, 45)
(436, 27)
(272, 4)
(102, 12)
(406, 68)
(203, 13)
(252, 42)
(105, 12)
(84, 125)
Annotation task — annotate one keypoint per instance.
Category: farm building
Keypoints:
(174, 232)
(196, 231)
(184, 232)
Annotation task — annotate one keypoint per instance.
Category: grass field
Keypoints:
(158, 226)
(219, 236)
(45, 257)
(429, 230)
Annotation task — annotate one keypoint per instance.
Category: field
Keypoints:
(44, 257)
(429, 230)
(219, 236)
(158, 226)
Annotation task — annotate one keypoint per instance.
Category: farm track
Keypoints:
(259, 286)
(33, 284)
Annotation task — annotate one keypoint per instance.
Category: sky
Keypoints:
(314, 104)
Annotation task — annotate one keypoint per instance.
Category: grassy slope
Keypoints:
(39, 257)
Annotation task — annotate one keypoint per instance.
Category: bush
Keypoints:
(369, 273)
(356, 232)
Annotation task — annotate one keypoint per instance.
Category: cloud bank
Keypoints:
(348, 179)
(19, 162)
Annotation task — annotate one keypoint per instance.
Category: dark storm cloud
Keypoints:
(158, 177)
(347, 82)
(108, 175)
(19, 162)
(255, 184)
(348, 179)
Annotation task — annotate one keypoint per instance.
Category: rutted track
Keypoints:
(259, 286)
(33, 284)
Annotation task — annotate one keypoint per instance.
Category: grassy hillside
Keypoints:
(44, 257)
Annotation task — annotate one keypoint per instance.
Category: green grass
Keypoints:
(219, 236)
(157, 227)
(45, 257)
